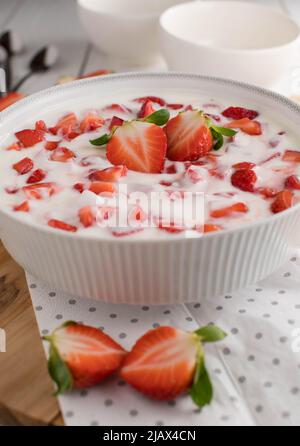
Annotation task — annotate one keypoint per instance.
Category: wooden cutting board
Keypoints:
(25, 387)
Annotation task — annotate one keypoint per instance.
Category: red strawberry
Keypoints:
(166, 362)
(283, 201)
(189, 138)
(9, 99)
(154, 99)
(87, 216)
(102, 187)
(293, 182)
(244, 179)
(62, 155)
(112, 174)
(247, 126)
(36, 191)
(116, 122)
(37, 176)
(140, 146)
(91, 122)
(239, 113)
(146, 110)
(51, 145)
(228, 211)
(41, 125)
(66, 125)
(24, 166)
(267, 192)
(82, 356)
(58, 224)
(291, 156)
(23, 207)
(29, 138)
(244, 165)
(79, 187)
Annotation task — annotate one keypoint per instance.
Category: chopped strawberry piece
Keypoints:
(242, 166)
(66, 125)
(10, 99)
(117, 108)
(72, 135)
(291, 156)
(87, 216)
(154, 99)
(102, 187)
(267, 192)
(29, 138)
(37, 176)
(189, 138)
(41, 125)
(293, 182)
(239, 113)
(244, 179)
(252, 128)
(88, 355)
(17, 146)
(112, 174)
(211, 228)
(23, 207)
(116, 122)
(62, 155)
(58, 224)
(51, 145)
(24, 166)
(171, 170)
(91, 122)
(228, 211)
(140, 146)
(79, 187)
(283, 201)
(165, 183)
(35, 191)
(146, 110)
(175, 106)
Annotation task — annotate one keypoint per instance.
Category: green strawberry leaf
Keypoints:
(59, 372)
(160, 117)
(102, 141)
(218, 139)
(224, 131)
(202, 389)
(211, 333)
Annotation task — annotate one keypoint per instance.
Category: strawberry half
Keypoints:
(239, 113)
(140, 146)
(283, 201)
(29, 138)
(189, 137)
(82, 356)
(248, 126)
(166, 362)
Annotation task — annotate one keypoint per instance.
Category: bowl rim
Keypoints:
(233, 51)
(47, 93)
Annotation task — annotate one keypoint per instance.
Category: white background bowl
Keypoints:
(150, 271)
(236, 40)
(126, 29)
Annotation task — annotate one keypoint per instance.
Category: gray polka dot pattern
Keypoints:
(253, 367)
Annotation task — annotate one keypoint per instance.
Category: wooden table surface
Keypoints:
(25, 388)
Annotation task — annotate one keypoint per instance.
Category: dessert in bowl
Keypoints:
(67, 172)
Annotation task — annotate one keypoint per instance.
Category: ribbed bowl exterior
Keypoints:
(170, 272)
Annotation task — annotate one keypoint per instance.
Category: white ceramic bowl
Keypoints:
(150, 271)
(236, 40)
(126, 29)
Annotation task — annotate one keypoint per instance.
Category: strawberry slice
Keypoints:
(244, 179)
(62, 155)
(91, 122)
(87, 216)
(146, 110)
(244, 165)
(166, 362)
(51, 145)
(23, 207)
(29, 138)
(115, 122)
(283, 201)
(140, 146)
(237, 208)
(112, 174)
(39, 190)
(237, 113)
(10, 99)
(58, 224)
(24, 166)
(102, 187)
(293, 182)
(37, 176)
(82, 356)
(154, 99)
(189, 138)
(252, 128)
(291, 156)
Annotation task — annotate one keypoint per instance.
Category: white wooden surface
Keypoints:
(41, 22)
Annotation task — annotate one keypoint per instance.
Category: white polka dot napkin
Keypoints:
(255, 371)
